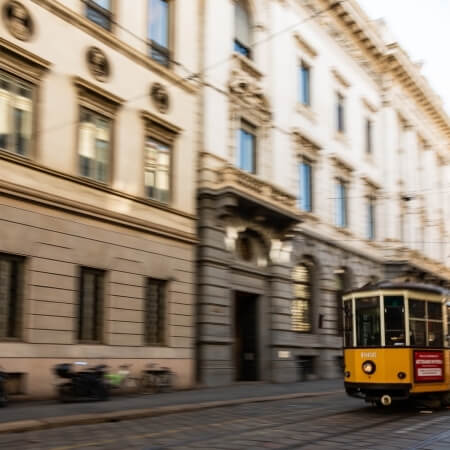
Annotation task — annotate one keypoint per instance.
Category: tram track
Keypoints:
(313, 418)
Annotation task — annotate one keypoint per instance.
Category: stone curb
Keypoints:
(116, 416)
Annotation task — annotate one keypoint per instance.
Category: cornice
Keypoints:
(113, 42)
(11, 157)
(307, 48)
(398, 62)
(83, 209)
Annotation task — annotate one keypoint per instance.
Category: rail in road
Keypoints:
(333, 422)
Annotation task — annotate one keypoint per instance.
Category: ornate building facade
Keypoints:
(324, 165)
(97, 186)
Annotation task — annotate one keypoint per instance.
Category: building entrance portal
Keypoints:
(246, 337)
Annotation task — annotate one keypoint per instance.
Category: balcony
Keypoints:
(246, 194)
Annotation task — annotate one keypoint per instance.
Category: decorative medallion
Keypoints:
(98, 63)
(18, 20)
(160, 97)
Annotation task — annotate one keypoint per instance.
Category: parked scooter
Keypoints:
(3, 393)
(87, 384)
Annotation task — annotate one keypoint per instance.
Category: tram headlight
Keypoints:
(368, 367)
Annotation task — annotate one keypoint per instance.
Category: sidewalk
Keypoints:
(23, 416)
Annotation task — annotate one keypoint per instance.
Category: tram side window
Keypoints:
(435, 335)
(425, 323)
(394, 320)
(348, 324)
(368, 322)
(417, 329)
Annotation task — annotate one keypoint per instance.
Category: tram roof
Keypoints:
(401, 285)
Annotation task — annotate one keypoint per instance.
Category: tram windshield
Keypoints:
(394, 320)
(367, 311)
(348, 323)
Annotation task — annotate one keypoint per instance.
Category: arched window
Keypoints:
(301, 304)
(242, 29)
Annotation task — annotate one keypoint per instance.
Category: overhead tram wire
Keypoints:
(193, 76)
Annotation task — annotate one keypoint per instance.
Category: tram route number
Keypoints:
(429, 366)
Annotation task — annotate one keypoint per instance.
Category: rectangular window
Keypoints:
(246, 151)
(371, 218)
(16, 115)
(11, 268)
(90, 315)
(348, 323)
(157, 170)
(99, 12)
(394, 320)
(425, 323)
(242, 38)
(341, 204)
(94, 144)
(305, 175)
(340, 112)
(155, 310)
(368, 322)
(305, 85)
(158, 30)
(368, 136)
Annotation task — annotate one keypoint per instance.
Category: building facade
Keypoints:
(97, 186)
(323, 165)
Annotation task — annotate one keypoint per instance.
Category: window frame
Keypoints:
(304, 161)
(108, 14)
(100, 319)
(340, 113)
(164, 288)
(369, 144)
(110, 120)
(340, 182)
(28, 68)
(371, 222)
(20, 308)
(304, 65)
(17, 81)
(236, 42)
(105, 104)
(169, 51)
(247, 127)
(310, 285)
(168, 134)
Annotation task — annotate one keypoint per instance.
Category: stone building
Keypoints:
(97, 186)
(323, 165)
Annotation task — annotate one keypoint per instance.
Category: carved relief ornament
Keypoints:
(98, 64)
(249, 94)
(160, 97)
(18, 20)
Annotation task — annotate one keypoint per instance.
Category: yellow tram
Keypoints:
(395, 342)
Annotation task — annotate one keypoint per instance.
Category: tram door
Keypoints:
(246, 336)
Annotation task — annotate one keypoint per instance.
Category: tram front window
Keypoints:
(348, 324)
(368, 322)
(394, 320)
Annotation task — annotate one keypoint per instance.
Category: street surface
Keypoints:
(326, 422)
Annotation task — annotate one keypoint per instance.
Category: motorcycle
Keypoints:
(88, 384)
(3, 392)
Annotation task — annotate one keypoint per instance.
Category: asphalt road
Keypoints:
(328, 422)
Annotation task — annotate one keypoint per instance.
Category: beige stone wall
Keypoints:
(54, 249)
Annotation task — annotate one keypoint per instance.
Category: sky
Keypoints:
(422, 28)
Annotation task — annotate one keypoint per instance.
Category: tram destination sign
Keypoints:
(428, 366)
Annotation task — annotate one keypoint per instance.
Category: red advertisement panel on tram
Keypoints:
(428, 366)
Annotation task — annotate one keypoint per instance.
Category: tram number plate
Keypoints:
(429, 366)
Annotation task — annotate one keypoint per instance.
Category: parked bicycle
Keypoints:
(88, 384)
(156, 379)
(122, 379)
